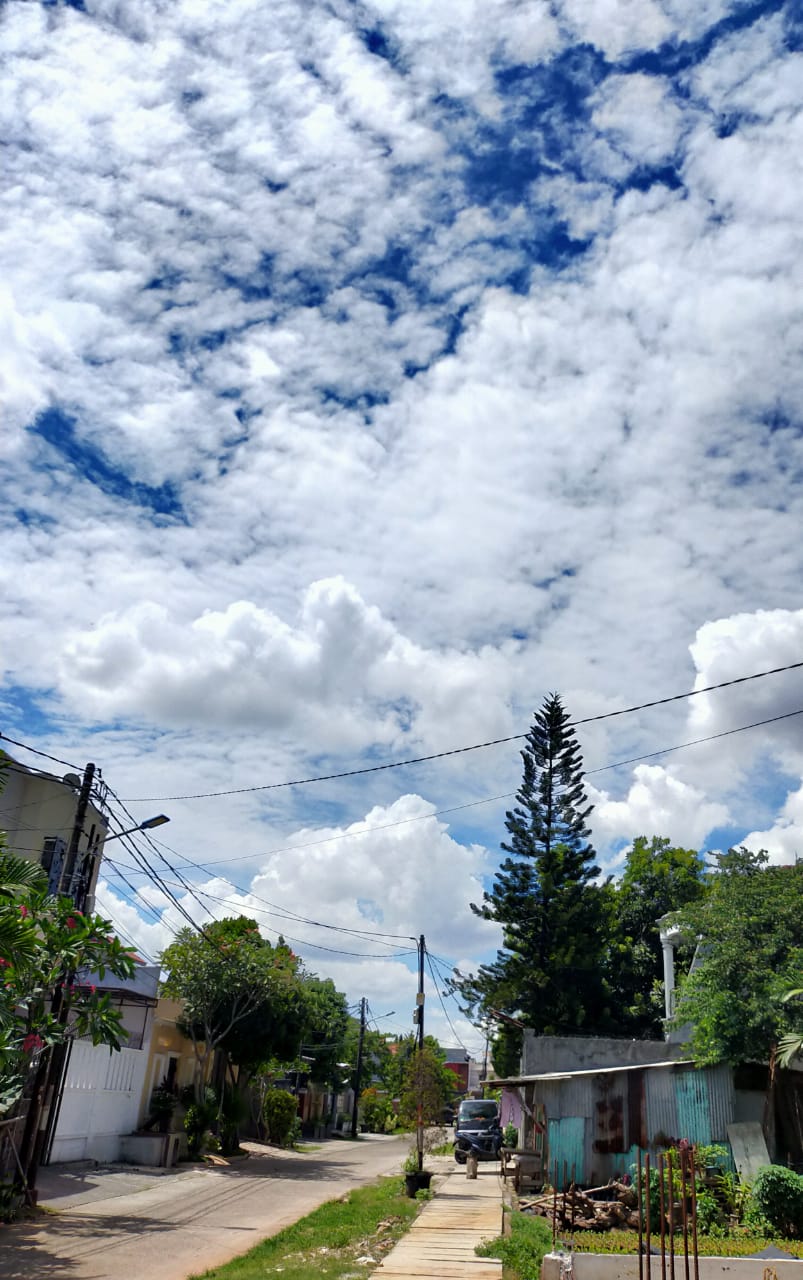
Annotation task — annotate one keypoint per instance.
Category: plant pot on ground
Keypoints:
(417, 1181)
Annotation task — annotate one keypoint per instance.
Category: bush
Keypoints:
(524, 1249)
(279, 1112)
(778, 1198)
(197, 1119)
(510, 1137)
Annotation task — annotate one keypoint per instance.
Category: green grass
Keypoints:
(523, 1250)
(327, 1243)
(442, 1149)
(733, 1246)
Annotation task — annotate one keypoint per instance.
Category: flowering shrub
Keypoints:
(43, 939)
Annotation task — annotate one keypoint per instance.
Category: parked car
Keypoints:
(477, 1129)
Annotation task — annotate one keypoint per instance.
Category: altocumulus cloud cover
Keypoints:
(370, 370)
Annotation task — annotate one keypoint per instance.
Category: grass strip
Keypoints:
(521, 1252)
(342, 1238)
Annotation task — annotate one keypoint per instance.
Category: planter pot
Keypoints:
(418, 1181)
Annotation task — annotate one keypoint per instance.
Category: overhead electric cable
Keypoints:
(454, 751)
(443, 1006)
(506, 795)
(305, 942)
(35, 751)
(293, 917)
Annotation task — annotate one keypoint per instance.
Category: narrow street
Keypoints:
(123, 1225)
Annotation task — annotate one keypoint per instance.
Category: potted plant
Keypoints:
(415, 1179)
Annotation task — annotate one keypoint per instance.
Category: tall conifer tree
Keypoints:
(553, 913)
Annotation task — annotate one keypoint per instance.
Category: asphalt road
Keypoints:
(128, 1225)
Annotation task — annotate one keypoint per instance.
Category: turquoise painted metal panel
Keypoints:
(694, 1106)
(566, 1146)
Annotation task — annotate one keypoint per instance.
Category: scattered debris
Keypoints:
(597, 1209)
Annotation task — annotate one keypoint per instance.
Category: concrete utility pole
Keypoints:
(66, 884)
(419, 1010)
(358, 1072)
(50, 1071)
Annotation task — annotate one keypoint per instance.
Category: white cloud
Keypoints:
(398, 880)
(424, 469)
(657, 804)
(783, 841)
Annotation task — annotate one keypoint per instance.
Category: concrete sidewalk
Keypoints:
(440, 1244)
(117, 1224)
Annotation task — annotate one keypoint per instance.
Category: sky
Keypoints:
(369, 371)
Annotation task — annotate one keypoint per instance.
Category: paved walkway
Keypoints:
(108, 1224)
(440, 1244)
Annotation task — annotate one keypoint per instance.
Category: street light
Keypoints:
(158, 821)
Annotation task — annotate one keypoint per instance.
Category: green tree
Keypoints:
(750, 930)
(428, 1080)
(553, 915)
(659, 877)
(790, 1046)
(240, 994)
(326, 1029)
(42, 939)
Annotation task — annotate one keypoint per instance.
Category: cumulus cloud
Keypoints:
(343, 672)
(657, 804)
(783, 841)
(369, 371)
(396, 873)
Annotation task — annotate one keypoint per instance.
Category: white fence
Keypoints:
(101, 1102)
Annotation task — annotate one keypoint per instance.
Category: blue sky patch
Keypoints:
(58, 429)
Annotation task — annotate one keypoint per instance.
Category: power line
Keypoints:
(35, 751)
(507, 795)
(305, 942)
(292, 916)
(477, 746)
(436, 984)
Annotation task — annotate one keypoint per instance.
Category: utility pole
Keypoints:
(358, 1072)
(66, 883)
(49, 1077)
(419, 1010)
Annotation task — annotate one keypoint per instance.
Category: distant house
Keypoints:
(457, 1060)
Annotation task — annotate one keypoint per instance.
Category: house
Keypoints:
(586, 1105)
(102, 1095)
(37, 813)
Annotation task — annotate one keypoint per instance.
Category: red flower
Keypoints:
(92, 990)
(71, 922)
(24, 912)
(4, 964)
(31, 1042)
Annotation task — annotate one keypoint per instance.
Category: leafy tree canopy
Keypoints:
(659, 877)
(43, 939)
(750, 931)
(428, 1080)
(240, 994)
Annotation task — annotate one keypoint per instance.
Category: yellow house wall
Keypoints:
(167, 1042)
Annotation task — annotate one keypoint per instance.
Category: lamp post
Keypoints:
(158, 821)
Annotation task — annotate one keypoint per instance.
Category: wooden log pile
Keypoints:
(597, 1209)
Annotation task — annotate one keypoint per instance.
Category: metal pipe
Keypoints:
(662, 1210)
(671, 1217)
(647, 1221)
(685, 1213)
(695, 1254)
(640, 1221)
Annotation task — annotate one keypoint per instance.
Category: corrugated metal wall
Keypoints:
(615, 1113)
